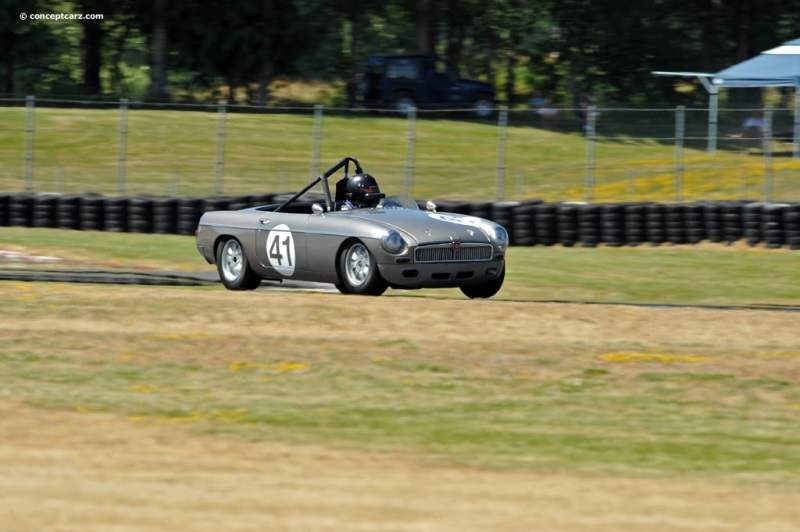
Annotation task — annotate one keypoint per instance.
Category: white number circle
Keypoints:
(280, 250)
(455, 219)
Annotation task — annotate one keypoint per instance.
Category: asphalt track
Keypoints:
(158, 278)
(149, 277)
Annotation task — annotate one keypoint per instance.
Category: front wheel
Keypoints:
(483, 107)
(234, 268)
(358, 272)
(486, 290)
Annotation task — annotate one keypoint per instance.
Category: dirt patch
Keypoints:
(72, 471)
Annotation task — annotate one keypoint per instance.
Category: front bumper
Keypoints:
(441, 274)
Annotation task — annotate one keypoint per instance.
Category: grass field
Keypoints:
(525, 413)
(175, 152)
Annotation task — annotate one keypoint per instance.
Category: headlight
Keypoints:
(393, 242)
(498, 235)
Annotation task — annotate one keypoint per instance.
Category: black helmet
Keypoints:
(363, 190)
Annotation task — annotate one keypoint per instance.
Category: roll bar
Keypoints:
(325, 187)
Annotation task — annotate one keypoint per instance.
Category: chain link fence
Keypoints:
(582, 155)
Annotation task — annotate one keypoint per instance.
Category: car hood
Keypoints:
(427, 227)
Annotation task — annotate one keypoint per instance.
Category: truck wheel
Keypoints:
(483, 107)
(403, 103)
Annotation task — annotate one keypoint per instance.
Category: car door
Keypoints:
(281, 244)
(434, 82)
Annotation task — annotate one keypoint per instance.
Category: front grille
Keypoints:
(447, 253)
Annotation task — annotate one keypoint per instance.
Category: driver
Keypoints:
(361, 191)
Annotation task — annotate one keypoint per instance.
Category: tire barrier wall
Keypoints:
(529, 223)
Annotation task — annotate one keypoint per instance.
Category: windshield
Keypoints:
(399, 202)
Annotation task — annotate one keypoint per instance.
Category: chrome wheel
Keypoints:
(232, 262)
(357, 265)
(234, 268)
(358, 271)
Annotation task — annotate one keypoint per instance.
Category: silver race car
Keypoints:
(359, 240)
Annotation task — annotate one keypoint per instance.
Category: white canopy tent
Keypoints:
(777, 67)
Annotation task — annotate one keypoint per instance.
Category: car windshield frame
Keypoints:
(399, 201)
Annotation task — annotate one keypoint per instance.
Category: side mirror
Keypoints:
(317, 208)
(431, 206)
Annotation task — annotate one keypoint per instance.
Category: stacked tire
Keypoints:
(635, 224)
(712, 221)
(502, 213)
(524, 224)
(4, 212)
(115, 215)
(612, 224)
(528, 223)
(655, 225)
(568, 223)
(693, 223)
(546, 222)
(92, 208)
(674, 224)
(732, 222)
(140, 215)
(752, 223)
(482, 209)
(20, 210)
(589, 225)
(43, 210)
(791, 226)
(68, 212)
(165, 216)
(773, 225)
(189, 211)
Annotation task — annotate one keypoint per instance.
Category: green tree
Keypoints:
(27, 47)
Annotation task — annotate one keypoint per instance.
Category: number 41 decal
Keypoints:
(275, 250)
(280, 250)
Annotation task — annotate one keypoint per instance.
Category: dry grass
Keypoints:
(130, 408)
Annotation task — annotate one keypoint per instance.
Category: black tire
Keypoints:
(358, 271)
(403, 102)
(91, 212)
(68, 212)
(483, 106)
(234, 268)
(115, 215)
(43, 210)
(485, 290)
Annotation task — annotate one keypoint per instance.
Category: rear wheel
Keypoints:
(483, 107)
(403, 103)
(234, 268)
(486, 290)
(358, 271)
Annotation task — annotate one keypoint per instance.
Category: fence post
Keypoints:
(123, 144)
(316, 142)
(411, 141)
(591, 133)
(713, 118)
(502, 136)
(220, 163)
(680, 132)
(796, 127)
(30, 106)
(767, 146)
